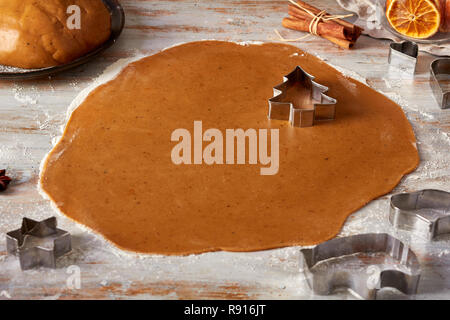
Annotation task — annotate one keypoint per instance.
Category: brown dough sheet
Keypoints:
(112, 169)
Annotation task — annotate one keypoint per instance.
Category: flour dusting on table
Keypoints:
(231, 267)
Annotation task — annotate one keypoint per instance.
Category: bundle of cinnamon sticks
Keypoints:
(305, 17)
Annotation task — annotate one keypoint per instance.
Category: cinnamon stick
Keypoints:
(350, 32)
(331, 29)
(303, 14)
(303, 25)
(317, 11)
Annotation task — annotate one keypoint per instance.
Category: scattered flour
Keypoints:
(350, 74)
(236, 266)
(23, 98)
(446, 136)
(443, 253)
(112, 71)
(8, 69)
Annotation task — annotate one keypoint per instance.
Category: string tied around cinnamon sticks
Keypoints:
(315, 22)
(304, 17)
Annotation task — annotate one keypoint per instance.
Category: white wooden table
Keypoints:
(32, 113)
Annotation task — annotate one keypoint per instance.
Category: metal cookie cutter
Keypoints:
(440, 81)
(363, 264)
(301, 111)
(426, 212)
(38, 244)
(403, 55)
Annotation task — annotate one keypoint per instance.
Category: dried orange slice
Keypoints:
(419, 19)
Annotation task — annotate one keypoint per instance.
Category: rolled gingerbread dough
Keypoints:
(45, 33)
(112, 169)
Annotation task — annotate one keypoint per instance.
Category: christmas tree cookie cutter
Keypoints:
(320, 106)
(403, 56)
(440, 81)
(38, 244)
(363, 264)
(425, 212)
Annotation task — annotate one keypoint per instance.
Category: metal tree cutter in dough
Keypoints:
(319, 106)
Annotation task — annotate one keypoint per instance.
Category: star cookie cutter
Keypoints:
(363, 264)
(323, 107)
(38, 244)
(425, 212)
(440, 81)
(403, 56)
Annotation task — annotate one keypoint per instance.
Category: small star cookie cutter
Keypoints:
(363, 264)
(440, 81)
(322, 106)
(403, 56)
(38, 244)
(425, 212)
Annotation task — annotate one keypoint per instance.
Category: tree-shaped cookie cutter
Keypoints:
(323, 108)
(333, 265)
(425, 212)
(440, 81)
(38, 244)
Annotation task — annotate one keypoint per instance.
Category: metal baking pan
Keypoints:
(117, 24)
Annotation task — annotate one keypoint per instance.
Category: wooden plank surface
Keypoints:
(32, 113)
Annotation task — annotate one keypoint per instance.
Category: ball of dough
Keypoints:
(41, 33)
